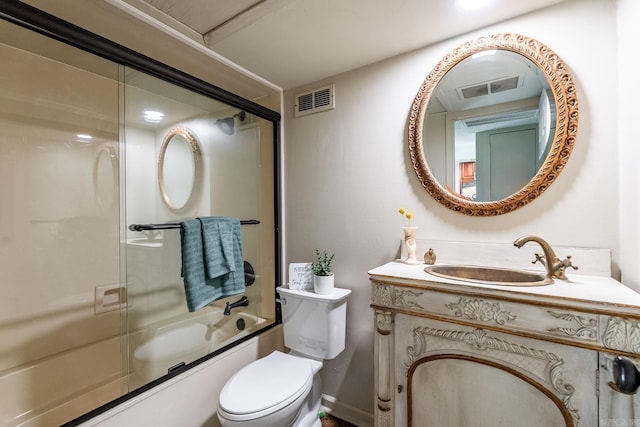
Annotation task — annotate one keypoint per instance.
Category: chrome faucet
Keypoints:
(555, 266)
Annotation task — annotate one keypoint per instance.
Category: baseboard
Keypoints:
(346, 412)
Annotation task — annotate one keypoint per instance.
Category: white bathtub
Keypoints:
(188, 339)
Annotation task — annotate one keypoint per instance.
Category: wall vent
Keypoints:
(315, 101)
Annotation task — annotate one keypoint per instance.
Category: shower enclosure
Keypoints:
(97, 156)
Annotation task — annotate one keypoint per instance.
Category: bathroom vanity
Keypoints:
(450, 352)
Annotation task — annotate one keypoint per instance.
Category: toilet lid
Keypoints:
(270, 383)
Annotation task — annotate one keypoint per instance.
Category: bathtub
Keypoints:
(186, 340)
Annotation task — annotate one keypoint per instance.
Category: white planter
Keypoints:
(323, 284)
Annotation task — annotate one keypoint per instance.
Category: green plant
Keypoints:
(322, 265)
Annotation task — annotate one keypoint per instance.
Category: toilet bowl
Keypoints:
(284, 389)
(268, 392)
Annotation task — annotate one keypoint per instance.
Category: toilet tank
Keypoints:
(314, 324)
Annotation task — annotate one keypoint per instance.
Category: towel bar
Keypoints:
(168, 225)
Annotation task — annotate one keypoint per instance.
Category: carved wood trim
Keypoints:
(381, 294)
(614, 339)
(622, 334)
(480, 310)
(404, 298)
(474, 293)
(587, 327)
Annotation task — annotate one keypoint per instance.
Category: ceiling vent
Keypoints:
(494, 86)
(315, 101)
(527, 115)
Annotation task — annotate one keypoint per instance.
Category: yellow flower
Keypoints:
(405, 216)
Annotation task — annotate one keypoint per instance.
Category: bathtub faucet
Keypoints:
(242, 302)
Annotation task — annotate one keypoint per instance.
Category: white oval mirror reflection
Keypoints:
(179, 168)
(105, 173)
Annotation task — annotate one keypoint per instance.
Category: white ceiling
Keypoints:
(294, 42)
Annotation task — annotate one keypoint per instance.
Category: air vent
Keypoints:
(504, 117)
(315, 101)
(494, 86)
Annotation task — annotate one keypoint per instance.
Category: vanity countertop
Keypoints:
(592, 293)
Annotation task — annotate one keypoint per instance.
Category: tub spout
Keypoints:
(242, 302)
(555, 267)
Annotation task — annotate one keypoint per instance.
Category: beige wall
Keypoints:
(347, 172)
(629, 135)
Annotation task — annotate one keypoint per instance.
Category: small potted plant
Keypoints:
(322, 274)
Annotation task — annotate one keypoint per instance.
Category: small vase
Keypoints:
(410, 243)
(323, 284)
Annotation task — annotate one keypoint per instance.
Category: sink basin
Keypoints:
(489, 275)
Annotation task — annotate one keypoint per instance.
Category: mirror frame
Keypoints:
(564, 91)
(196, 156)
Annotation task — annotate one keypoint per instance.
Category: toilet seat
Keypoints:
(265, 386)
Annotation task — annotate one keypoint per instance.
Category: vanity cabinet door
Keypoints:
(616, 408)
(451, 375)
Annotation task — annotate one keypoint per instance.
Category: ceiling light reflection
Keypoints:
(84, 138)
(153, 116)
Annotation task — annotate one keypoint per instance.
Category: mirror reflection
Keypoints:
(497, 114)
(105, 175)
(493, 124)
(179, 167)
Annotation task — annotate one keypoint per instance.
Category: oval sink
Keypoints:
(489, 275)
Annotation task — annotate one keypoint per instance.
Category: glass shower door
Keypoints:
(190, 156)
(59, 230)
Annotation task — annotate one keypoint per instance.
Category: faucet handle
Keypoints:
(539, 258)
(567, 263)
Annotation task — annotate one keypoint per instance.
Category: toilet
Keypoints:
(284, 389)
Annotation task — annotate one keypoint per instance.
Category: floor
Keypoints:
(330, 421)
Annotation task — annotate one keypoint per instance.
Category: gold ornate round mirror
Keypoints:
(179, 168)
(493, 124)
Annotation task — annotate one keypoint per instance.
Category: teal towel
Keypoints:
(209, 244)
(222, 244)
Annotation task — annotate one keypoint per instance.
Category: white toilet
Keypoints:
(284, 389)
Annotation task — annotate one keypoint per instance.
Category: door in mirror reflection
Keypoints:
(506, 161)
